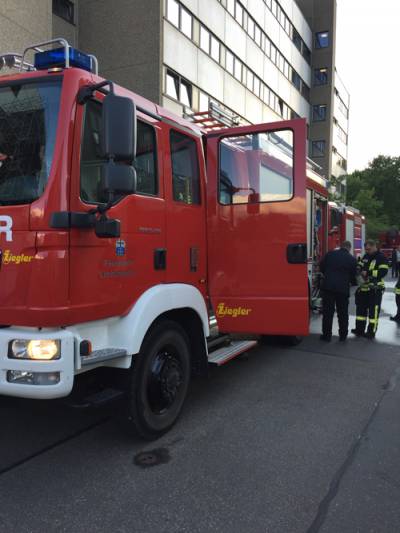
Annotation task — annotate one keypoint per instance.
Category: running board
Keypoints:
(225, 354)
(98, 356)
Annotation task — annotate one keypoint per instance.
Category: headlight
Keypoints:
(38, 350)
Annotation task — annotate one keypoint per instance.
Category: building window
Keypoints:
(185, 95)
(296, 80)
(173, 12)
(204, 39)
(172, 85)
(341, 134)
(318, 148)
(286, 69)
(186, 23)
(230, 6)
(238, 70)
(185, 168)
(64, 9)
(229, 62)
(257, 35)
(319, 113)
(320, 76)
(250, 80)
(203, 102)
(215, 49)
(306, 53)
(178, 88)
(305, 91)
(239, 14)
(296, 39)
(250, 27)
(322, 39)
(257, 86)
(267, 47)
(343, 109)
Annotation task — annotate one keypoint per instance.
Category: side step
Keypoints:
(98, 356)
(225, 354)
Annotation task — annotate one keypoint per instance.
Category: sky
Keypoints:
(368, 62)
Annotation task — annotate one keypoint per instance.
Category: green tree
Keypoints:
(375, 191)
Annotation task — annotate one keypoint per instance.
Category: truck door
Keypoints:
(257, 228)
(185, 213)
(108, 275)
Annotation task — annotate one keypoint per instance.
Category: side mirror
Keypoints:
(107, 228)
(117, 179)
(118, 139)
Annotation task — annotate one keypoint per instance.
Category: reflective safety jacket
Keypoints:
(397, 287)
(375, 266)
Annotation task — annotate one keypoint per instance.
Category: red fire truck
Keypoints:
(388, 240)
(133, 240)
(346, 223)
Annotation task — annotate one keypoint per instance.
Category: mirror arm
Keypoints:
(85, 93)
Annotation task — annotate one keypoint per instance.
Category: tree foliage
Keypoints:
(375, 191)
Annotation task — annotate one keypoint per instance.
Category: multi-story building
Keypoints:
(329, 97)
(261, 60)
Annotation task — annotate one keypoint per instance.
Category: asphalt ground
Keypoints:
(302, 439)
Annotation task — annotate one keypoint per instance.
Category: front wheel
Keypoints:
(159, 381)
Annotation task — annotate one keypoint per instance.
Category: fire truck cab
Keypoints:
(132, 239)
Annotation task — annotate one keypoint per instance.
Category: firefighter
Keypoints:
(369, 293)
(339, 268)
(396, 317)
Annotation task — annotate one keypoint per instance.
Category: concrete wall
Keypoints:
(62, 28)
(125, 35)
(20, 25)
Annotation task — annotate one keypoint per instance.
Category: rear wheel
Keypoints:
(159, 381)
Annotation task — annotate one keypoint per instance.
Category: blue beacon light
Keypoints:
(57, 58)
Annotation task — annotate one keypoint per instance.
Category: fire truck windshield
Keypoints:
(28, 125)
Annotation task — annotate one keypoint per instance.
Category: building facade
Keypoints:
(261, 60)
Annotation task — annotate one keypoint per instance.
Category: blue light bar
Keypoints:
(56, 58)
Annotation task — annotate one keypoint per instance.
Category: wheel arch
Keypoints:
(179, 302)
(191, 323)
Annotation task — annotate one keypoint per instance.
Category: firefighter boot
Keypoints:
(357, 332)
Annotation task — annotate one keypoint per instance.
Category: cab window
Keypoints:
(185, 168)
(256, 167)
(91, 160)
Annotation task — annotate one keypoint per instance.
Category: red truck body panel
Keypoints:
(234, 255)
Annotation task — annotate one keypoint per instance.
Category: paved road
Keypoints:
(304, 439)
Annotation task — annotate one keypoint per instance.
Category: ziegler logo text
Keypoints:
(234, 312)
(9, 258)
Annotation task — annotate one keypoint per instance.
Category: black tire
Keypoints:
(290, 340)
(159, 381)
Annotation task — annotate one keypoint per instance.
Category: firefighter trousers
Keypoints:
(330, 300)
(368, 307)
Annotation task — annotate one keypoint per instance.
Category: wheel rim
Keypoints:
(164, 380)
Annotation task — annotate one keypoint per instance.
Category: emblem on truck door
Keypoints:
(6, 223)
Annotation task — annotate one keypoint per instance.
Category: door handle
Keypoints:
(296, 253)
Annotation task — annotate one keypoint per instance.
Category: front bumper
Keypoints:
(65, 365)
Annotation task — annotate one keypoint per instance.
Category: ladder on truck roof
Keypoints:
(215, 118)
